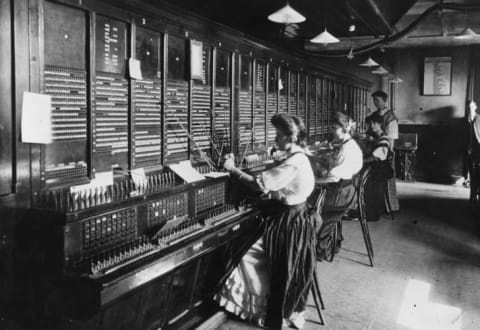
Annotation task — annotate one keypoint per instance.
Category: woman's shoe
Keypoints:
(297, 320)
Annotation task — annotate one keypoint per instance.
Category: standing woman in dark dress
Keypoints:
(348, 161)
(271, 284)
(390, 128)
(474, 156)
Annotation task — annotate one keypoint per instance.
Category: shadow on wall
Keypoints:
(441, 115)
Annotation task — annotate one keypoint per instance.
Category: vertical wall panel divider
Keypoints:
(35, 37)
(236, 118)
(131, 96)
(91, 76)
(164, 95)
(7, 148)
(211, 111)
(189, 111)
(277, 89)
(232, 98)
(298, 93)
(287, 87)
(254, 95)
(267, 80)
(316, 118)
(214, 86)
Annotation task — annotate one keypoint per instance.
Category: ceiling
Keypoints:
(373, 19)
(250, 16)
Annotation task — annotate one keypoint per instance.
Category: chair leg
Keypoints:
(369, 238)
(317, 288)
(366, 239)
(334, 245)
(317, 299)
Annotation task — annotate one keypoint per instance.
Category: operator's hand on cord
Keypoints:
(229, 162)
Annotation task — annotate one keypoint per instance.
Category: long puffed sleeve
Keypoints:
(277, 177)
(349, 161)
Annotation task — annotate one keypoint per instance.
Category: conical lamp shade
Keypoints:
(286, 15)
(325, 38)
(380, 70)
(396, 80)
(467, 34)
(369, 62)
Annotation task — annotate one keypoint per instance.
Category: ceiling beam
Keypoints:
(378, 13)
(354, 12)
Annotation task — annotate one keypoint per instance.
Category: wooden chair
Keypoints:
(362, 178)
(316, 201)
(317, 298)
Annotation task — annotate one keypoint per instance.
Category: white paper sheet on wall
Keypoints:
(36, 126)
(186, 171)
(102, 179)
(134, 68)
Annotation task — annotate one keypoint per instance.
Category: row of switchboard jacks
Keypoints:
(66, 200)
(119, 256)
(257, 160)
(179, 232)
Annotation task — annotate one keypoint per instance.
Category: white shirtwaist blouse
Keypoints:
(349, 160)
(292, 181)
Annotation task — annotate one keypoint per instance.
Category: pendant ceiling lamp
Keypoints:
(369, 63)
(350, 54)
(380, 70)
(287, 15)
(325, 38)
(467, 34)
(396, 80)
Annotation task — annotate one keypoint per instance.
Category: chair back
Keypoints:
(316, 200)
(361, 179)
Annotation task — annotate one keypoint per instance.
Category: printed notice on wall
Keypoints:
(36, 118)
(437, 76)
(134, 69)
(196, 57)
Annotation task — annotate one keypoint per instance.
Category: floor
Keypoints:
(426, 274)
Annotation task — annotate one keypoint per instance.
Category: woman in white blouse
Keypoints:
(348, 161)
(270, 286)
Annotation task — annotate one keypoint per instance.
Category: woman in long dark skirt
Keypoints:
(348, 161)
(270, 286)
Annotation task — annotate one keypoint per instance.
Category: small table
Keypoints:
(407, 161)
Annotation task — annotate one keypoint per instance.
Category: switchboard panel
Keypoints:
(201, 123)
(176, 105)
(302, 97)
(322, 120)
(147, 98)
(283, 90)
(65, 80)
(111, 116)
(245, 104)
(272, 103)
(312, 114)
(260, 106)
(222, 97)
(293, 93)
